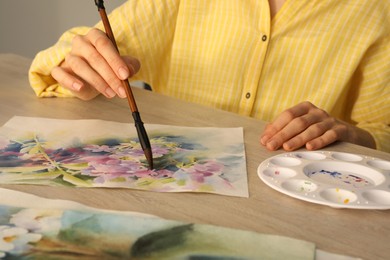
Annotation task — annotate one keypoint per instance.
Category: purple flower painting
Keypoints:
(94, 153)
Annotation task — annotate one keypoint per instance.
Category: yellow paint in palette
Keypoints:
(346, 200)
(336, 179)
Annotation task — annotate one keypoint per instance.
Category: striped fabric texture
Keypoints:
(231, 55)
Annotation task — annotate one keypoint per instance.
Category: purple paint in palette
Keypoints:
(344, 178)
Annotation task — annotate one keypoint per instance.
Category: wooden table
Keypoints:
(360, 233)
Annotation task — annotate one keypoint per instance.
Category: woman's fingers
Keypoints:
(75, 85)
(303, 125)
(66, 79)
(338, 132)
(133, 64)
(282, 121)
(94, 62)
(89, 75)
(313, 132)
(95, 49)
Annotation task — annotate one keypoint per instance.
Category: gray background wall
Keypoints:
(28, 26)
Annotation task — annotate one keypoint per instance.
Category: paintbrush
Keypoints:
(142, 135)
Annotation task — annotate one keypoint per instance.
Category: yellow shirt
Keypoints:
(230, 54)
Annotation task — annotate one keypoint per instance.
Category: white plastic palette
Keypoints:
(336, 179)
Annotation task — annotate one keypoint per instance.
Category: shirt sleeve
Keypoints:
(137, 26)
(372, 107)
(41, 81)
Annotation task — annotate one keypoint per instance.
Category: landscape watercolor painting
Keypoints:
(32, 227)
(95, 153)
(33, 233)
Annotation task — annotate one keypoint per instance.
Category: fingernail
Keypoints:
(310, 146)
(272, 145)
(123, 73)
(132, 70)
(110, 93)
(264, 139)
(76, 86)
(287, 146)
(122, 92)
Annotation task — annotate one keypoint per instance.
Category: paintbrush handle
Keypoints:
(110, 35)
(142, 135)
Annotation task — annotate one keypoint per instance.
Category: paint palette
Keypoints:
(341, 180)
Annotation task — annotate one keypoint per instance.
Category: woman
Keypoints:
(319, 70)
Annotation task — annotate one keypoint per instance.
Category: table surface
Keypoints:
(353, 232)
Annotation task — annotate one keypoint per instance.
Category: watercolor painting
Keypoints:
(33, 233)
(95, 153)
(33, 227)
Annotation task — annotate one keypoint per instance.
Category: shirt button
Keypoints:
(264, 38)
(248, 95)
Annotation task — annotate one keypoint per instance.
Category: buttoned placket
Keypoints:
(256, 62)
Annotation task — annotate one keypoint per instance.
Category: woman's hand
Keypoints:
(307, 125)
(94, 66)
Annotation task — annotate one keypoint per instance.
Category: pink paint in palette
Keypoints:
(336, 179)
